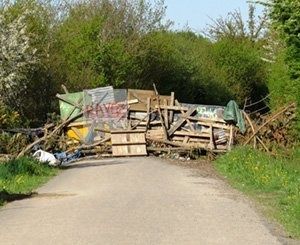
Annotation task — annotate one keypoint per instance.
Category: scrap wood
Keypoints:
(172, 108)
(141, 120)
(166, 114)
(182, 112)
(65, 89)
(172, 101)
(181, 121)
(272, 118)
(251, 125)
(48, 136)
(166, 149)
(208, 120)
(206, 123)
(192, 134)
(160, 114)
(212, 144)
(230, 141)
(90, 146)
(148, 112)
(131, 102)
(262, 143)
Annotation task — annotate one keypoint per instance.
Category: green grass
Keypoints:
(18, 178)
(275, 182)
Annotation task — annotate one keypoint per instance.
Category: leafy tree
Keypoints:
(17, 57)
(33, 100)
(97, 41)
(244, 72)
(285, 16)
(235, 27)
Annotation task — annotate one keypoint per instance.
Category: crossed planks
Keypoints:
(180, 132)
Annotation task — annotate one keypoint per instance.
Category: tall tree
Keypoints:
(17, 57)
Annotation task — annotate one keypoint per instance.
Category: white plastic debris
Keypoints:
(44, 156)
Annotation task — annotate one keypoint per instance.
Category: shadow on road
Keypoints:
(9, 197)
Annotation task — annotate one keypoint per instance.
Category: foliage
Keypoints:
(285, 17)
(164, 60)
(21, 176)
(234, 27)
(86, 44)
(8, 118)
(96, 42)
(17, 57)
(36, 86)
(245, 73)
(274, 180)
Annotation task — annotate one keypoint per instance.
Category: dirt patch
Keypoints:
(204, 168)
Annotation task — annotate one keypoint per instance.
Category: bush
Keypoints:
(22, 176)
(244, 72)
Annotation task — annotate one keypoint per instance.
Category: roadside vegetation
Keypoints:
(20, 177)
(274, 182)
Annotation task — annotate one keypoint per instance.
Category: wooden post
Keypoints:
(172, 103)
(148, 112)
(166, 114)
(211, 138)
(160, 114)
(230, 142)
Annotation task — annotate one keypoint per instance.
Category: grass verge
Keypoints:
(274, 182)
(19, 177)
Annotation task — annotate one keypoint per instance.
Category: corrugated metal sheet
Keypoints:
(99, 95)
(120, 95)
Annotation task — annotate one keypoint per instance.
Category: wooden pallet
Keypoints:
(128, 143)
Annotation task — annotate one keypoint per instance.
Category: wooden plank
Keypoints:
(192, 134)
(128, 143)
(211, 139)
(215, 125)
(142, 96)
(207, 120)
(166, 114)
(230, 142)
(172, 101)
(160, 114)
(181, 121)
(148, 112)
(172, 108)
(134, 101)
(181, 138)
(127, 131)
(186, 139)
(188, 121)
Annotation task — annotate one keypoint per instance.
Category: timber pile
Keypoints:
(270, 131)
(155, 123)
(170, 126)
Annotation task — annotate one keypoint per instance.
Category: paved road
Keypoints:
(133, 201)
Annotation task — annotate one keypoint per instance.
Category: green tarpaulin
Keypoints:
(232, 113)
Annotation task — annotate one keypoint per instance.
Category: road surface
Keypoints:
(133, 201)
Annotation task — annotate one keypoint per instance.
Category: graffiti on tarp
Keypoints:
(114, 110)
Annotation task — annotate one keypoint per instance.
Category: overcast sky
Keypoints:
(197, 13)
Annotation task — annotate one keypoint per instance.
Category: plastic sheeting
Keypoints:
(232, 113)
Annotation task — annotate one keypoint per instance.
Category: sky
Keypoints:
(197, 13)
